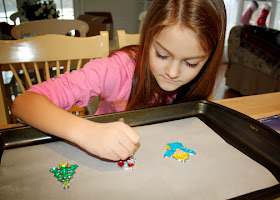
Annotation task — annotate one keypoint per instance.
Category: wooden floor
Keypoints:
(222, 91)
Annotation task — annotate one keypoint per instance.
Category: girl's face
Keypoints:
(176, 57)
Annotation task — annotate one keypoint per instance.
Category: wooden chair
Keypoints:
(49, 26)
(124, 39)
(46, 56)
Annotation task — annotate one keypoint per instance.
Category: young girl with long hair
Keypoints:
(178, 58)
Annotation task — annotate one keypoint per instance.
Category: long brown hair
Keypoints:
(207, 19)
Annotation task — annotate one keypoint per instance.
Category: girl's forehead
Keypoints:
(181, 31)
(177, 38)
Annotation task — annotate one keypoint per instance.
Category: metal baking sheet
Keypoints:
(245, 134)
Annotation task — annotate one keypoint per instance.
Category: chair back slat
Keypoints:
(17, 78)
(38, 76)
(68, 66)
(57, 68)
(26, 74)
(79, 64)
(66, 48)
(47, 70)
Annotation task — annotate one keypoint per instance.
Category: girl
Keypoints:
(177, 60)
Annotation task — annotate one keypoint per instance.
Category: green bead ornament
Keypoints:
(64, 173)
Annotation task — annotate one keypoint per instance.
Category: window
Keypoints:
(8, 7)
(66, 9)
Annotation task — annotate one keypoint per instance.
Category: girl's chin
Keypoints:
(168, 88)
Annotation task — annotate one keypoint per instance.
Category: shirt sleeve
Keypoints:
(110, 78)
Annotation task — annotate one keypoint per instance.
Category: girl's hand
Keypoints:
(113, 141)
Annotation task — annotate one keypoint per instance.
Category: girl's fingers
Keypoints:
(132, 134)
(113, 156)
(127, 144)
(122, 152)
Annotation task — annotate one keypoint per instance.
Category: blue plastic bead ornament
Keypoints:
(178, 151)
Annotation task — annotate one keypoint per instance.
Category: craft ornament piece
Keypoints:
(128, 163)
(64, 173)
(178, 151)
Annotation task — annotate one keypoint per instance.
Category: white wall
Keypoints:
(124, 12)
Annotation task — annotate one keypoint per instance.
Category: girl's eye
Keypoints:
(161, 56)
(191, 65)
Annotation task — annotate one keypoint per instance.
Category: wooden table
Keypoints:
(255, 106)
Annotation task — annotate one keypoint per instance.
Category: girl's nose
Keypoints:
(173, 70)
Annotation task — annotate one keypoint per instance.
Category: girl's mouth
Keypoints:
(169, 80)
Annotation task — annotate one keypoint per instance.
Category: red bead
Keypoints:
(121, 164)
(130, 164)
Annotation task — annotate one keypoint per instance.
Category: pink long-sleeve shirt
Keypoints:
(111, 78)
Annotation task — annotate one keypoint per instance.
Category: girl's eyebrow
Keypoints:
(188, 58)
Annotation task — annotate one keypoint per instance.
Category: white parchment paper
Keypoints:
(217, 171)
